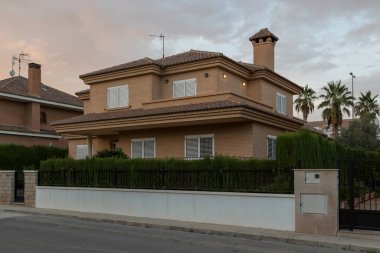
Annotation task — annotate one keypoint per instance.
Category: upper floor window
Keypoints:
(118, 96)
(184, 88)
(198, 146)
(143, 148)
(271, 147)
(280, 103)
(43, 119)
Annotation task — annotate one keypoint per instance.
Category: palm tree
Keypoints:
(336, 101)
(305, 102)
(367, 105)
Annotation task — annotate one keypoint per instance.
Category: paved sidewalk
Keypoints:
(345, 240)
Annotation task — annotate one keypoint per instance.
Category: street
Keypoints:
(33, 233)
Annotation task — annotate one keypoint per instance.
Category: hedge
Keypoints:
(18, 157)
(211, 174)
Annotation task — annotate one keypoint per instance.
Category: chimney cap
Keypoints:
(263, 33)
(34, 65)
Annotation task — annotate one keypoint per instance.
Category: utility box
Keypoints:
(316, 200)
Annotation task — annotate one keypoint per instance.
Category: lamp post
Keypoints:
(352, 84)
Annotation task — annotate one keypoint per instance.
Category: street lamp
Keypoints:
(352, 84)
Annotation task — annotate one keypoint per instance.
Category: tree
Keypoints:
(367, 105)
(336, 101)
(305, 102)
(362, 134)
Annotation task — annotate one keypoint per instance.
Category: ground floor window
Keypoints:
(143, 148)
(271, 147)
(198, 146)
(82, 152)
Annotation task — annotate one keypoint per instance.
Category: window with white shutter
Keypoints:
(280, 103)
(118, 96)
(143, 148)
(271, 147)
(199, 146)
(184, 88)
(81, 152)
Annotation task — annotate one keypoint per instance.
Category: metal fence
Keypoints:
(230, 180)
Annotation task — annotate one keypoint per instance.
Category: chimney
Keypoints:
(263, 48)
(34, 79)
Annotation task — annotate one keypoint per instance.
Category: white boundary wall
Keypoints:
(271, 211)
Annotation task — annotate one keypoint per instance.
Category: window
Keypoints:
(43, 119)
(184, 88)
(271, 147)
(199, 146)
(82, 152)
(118, 96)
(143, 148)
(280, 103)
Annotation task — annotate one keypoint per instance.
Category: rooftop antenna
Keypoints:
(162, 37)
(20, 58)
(12, 72)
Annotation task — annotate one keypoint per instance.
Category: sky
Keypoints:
(319, 41)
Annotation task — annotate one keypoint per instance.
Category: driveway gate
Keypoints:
(19, 186)
(359, 193)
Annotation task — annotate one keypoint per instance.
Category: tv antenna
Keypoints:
(21, 58)
(162, 37)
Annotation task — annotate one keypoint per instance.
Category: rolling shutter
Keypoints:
(178, 89)
(149, 149)
(206, 146)
(123, 96)
(190, 87)
(191, 148)
(82, 152)
(137, 148)
(112, 97)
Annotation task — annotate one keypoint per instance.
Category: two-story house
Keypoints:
(27, 107)
(191, 104)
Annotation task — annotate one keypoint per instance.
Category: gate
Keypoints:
(359, 193)
(19, 186)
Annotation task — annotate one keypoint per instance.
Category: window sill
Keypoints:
(117, 108)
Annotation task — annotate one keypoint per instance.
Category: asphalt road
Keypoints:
(33, 233)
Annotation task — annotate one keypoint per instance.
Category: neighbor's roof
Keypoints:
(263, 33)
(19, 86)
(177, 59)
(26, 130)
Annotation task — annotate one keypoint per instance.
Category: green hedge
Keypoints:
(211, 174)
(304, 149)
(17, 156)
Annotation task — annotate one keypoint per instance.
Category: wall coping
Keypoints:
(315, 170)
(243, 194)
(30, 171)
(7, 171)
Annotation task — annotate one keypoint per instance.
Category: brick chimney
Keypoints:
(263, 48)
(34, 79)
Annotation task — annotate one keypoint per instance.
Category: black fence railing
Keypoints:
(230, 180)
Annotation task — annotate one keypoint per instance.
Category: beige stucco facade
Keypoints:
(237, 131)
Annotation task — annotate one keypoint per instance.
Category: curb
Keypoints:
(257, 237)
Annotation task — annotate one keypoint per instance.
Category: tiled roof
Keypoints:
(82, 91)
(26, 130)
(186, 57)
(136, 113)
(263, 33)
(19, 86)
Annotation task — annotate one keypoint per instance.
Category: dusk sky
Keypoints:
(319, 41)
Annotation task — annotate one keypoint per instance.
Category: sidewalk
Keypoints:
(345, 240)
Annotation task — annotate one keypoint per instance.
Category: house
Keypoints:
(191, 104)
(28, 107)
(321, 125)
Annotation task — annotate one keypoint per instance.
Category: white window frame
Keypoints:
(281, 108)
(274, 151)
(195, 88)
(118, 88)
(143, 146)
(199, 144)
(76, 151)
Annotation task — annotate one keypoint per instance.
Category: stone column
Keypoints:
(316, 200)
(7, 186)
(89, 145)
(31, 180)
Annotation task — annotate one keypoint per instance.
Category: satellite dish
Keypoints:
(12, 73)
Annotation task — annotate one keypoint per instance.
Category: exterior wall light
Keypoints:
(224, 76)
(166, 80)
(244, 84)
(206, 75)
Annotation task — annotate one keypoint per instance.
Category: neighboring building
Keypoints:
(321, 125)
(28, 107)
(191, 104)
